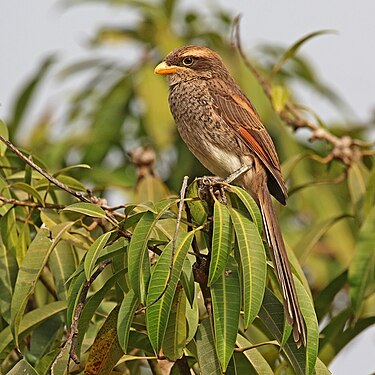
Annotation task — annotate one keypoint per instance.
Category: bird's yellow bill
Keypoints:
(164, 68)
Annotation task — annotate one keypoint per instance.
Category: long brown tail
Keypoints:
(282, 267)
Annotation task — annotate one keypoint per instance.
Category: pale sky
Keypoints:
(29, 30)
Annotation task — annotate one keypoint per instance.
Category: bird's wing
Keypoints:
(236, 110)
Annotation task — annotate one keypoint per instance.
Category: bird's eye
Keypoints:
(187, 61)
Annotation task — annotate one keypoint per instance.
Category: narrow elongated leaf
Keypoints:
(92, 304)
(29, 190)
(175, 332)
(162, 286)
(94, 252)
(314, 234)
(207, 357)
(28, 323)
(74, 292)
(9, 233)
(106, 350)
(221, 241)
(31, 267)
(250, 205)
(290, 52)
(253, 264)
(272, 315)
(62, 264)
(125, 317)
(187, 281)
(362, 267)
(5, 134)
(321, 368)
(256, 359)
(226, 304)
(192, 318)
(22, 367)
(88, 209)
(369, 197)
(138, 259)
(323, 301)
(198, 208)
(8, 274)
(308, 313)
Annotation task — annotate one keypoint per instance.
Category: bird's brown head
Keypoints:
(191, 62)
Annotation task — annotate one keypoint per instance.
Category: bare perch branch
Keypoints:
(345, 149)
(45, 174)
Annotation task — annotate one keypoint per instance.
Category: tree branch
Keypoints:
(345, 149)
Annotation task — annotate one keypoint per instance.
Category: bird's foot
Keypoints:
(210, 187)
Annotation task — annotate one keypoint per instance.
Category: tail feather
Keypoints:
(282, 267)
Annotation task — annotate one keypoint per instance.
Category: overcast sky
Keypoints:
(29, 30)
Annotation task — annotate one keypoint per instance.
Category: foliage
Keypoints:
(159, 281)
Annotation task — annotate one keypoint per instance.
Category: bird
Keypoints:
(222, 128)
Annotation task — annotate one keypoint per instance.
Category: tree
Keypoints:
(181, 282)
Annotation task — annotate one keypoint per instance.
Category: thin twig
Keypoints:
(31, 204)
(72, 340)
(345, 148)
(45, 174)
(244, 349)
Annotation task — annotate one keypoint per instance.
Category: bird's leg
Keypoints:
(239, 172)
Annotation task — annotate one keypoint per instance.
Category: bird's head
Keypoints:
(191, 62)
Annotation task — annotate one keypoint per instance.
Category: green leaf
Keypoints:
(362, 267)
(29, 190)
(94, 252)
(88, 209)
(226, 304)
(162, 288)
(272, 315)
(5, 134)
(256, 359)
(250, 205)
(253, 264)
(31, 267)
(314, 233)
(138, 259)
(197, 207)
(308, 313)
(8, 274)
(324, 300)
(125, 317)
(357, 182)
(71, 168)
(290, 52)
(27, 93)
(9, 234)
(106, 350)
(192, 318)
(92, 304)
(22, 367)
(339, 333)
(30, 320)
(175, 333)
(74, 293)
(187, 281)
(207, 357)
(62, 264)
(370, 192)
(221, 241)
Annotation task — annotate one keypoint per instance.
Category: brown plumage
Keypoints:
(223, 130)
